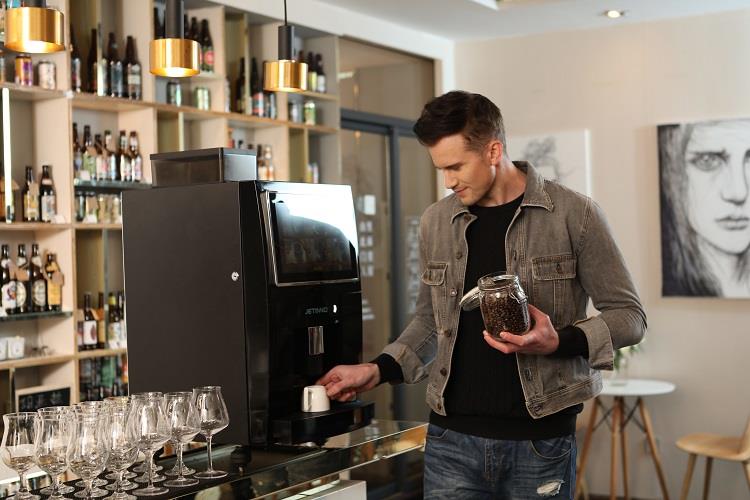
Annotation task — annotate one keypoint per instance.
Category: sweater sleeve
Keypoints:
(573, 342)
(390, 370)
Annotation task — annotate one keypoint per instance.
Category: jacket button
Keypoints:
(558, 268)
(467, 217)
(453, 292)
(443, 372)
(459, 255)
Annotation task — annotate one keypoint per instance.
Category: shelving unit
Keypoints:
(40, 132)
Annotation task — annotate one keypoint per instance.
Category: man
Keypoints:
(503, 411)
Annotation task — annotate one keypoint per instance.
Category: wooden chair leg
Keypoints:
(707, 478)
(746, 466)
(586, 447)
(624, 446)
(652, 444)
(688, 477)
(616, 419)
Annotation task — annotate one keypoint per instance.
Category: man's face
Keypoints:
(467, 173)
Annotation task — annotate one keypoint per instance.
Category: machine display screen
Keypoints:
(314, 237)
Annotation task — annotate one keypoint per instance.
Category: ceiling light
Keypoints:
(173, 55)
(34, 28)
(286, 74)
(614, 14)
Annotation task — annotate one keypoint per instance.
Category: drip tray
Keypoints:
(305, 427)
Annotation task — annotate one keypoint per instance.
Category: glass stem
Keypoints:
(23, 491)
(89, 486)
(119, 491)
(55, 486)
(180, 464)
(210, 457)
(150, 467)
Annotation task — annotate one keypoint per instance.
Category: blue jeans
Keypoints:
(460, 466)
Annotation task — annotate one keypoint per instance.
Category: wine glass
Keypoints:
(141, 469)
(152, 431)
(66, 412)
(213, 419)
(17, 448)
(51, 446)
(126, 484)
(184, 424)
(93, 409)
(124, 447)
(89, 450)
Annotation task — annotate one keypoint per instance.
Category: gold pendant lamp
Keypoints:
(34, 28)
(174, 55)
(286, 74)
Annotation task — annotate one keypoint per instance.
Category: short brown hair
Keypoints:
(472, 115)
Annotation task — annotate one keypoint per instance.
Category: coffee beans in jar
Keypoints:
(504, 304)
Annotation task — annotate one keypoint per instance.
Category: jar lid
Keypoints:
(470, 300)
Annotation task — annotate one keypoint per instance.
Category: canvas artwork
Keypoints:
(705, 214)
(563, 157)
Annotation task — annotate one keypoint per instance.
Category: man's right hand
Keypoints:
(343, 382)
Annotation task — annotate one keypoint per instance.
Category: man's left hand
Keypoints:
(541, 339)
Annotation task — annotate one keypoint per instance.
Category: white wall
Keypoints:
(621, 83)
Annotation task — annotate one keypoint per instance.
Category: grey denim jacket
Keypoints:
(561, 247)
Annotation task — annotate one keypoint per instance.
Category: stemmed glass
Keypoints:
(126, 485)
(63, 411)
(152, 431)
(89, 449)
(213, 419)
(93, 409)
(17, 448)
(142, 468)
(184, 424)
(51, 446)
(124, 448)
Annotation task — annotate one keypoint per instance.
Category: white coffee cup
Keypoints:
(314, 398)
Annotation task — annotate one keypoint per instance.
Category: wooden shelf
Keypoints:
(207, 77)
(109, 185)
(97, 227)
(35, 361)
(100, 353)
(314, 129)
(35, 316)
(26, 93)
(32, 226)
(93, 102)
(318, 96)
(249, 121)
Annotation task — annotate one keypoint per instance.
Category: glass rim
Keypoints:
(53, 410)
(207, 388)
(147, 395)
(178, 393)
(21, 414)
(497, 280)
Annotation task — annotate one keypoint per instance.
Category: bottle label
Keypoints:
(39, 293)
(258, 108)
(138, 169)
(101, 167)
(115, 334)
(21, 294)
(31, 206)
(126, 172)
(90, 336)
(75, 75)
(208, 59)
(9, 296)
(322, 84)
(54, 294)
(49, 208)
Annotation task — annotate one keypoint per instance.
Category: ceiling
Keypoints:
(461, 20)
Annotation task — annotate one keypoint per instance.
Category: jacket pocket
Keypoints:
(554, 277)
(434, 277)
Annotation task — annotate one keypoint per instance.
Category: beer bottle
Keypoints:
(30, 198)
(8, 282)
(47, 192)
(90, 336)
(132, 70)
(135, 158)
(76, 80)
(38, 281)
(23, 284)
(54, 283)
(116, 80)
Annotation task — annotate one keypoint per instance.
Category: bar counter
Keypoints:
(286, 470)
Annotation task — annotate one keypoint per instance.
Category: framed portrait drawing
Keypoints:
(704, 173)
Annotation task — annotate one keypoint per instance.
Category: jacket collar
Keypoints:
(534, 196)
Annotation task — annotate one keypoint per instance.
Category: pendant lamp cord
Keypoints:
(285, 23)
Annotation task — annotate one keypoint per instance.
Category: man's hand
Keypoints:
(343, 382)
(541, 339)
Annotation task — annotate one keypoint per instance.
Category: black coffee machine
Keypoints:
(250, 285)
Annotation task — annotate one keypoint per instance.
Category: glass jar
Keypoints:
(503, 303)
(309, 112)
